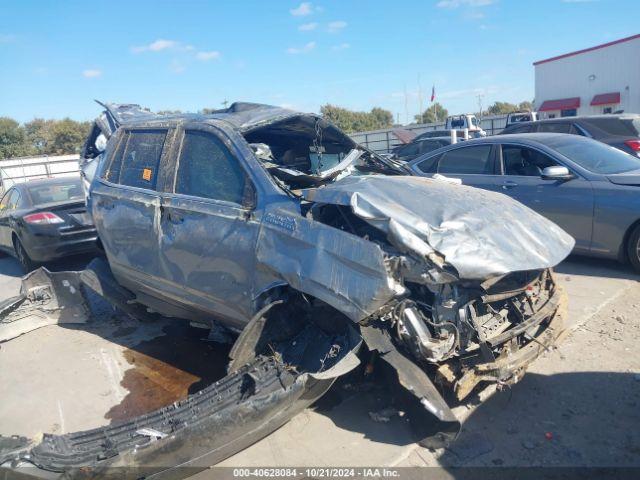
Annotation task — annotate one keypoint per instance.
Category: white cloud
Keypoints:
(206, 56)
(302, 10)
(336, 26)
(156, 46)
(307, 27)
(92, 73)
(342, 46)
(465, 3)
(305, 49)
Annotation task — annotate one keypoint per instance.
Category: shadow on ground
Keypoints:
(597, 267)
(581, 419)
(10, 267)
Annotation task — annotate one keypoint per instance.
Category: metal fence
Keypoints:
(23, 169)
(382, 141)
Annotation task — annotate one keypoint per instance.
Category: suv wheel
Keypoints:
(633, 248)
(23, 257)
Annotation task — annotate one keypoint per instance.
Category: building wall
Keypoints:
(616, 69)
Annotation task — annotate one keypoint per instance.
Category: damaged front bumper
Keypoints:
(509, 368)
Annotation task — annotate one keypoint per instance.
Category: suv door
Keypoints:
(475, 165)
(125, 207)
(567, 203)
(208, 227)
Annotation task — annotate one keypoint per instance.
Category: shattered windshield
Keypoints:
(304, 151)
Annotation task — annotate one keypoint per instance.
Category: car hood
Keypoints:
(479, 234)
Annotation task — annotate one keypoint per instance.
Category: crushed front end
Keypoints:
(466, 333)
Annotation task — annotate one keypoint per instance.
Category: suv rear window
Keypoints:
(555, 127)
(629, 127)
(518, 129)
(136, 163)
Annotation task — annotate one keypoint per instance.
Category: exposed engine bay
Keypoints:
(305, 151)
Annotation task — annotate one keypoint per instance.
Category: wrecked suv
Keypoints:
(276, 226)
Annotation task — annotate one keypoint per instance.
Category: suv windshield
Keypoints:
(595, 156)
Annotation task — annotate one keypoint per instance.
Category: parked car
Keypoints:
(588, 188)
(279, 227)
(620, 131)
(408, 152)
(43, 220)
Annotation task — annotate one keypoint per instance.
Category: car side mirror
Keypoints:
(556, 173)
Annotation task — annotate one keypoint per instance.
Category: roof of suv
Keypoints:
(241, 115)
(585, 118)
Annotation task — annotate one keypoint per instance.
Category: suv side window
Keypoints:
(523, 161)
(555, 127)
(467, 161)
(141, 158)
(207, 169)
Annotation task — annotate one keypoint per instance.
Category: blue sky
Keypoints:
(56, 57)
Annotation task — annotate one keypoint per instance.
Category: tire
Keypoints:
(633, 248)
(23, 257)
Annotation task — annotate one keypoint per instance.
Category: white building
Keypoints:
(596, 80)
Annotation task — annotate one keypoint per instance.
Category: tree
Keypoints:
(502, 108)
(38, 132)
(67, 136)
(352, 121)
(526, 105)
(13, 140)
(435, 112)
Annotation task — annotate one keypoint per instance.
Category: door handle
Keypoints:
(508, 185)
(106, 205)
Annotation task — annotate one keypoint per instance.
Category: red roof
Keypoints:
(606, 98)
(578, 52)
(561, 104)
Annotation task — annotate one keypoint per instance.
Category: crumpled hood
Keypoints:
(479, 233)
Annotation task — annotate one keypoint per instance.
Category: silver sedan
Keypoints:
(588, 188)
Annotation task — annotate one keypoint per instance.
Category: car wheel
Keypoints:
(633, 248)
(27, 264)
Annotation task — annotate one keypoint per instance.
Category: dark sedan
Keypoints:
(620, 131)
(418, 147)
(43, 220)
(588, 188)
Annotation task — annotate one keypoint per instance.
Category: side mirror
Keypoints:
(556, 173)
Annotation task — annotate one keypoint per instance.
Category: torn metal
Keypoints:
(470, 233)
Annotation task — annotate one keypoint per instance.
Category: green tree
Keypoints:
(501, 108)
(353, 121)
(38, 132)
(435, 112)
(67, 136)
(13, 140)
(526, 105)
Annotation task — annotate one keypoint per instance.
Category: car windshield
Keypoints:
(56, 192)
(595, 156)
